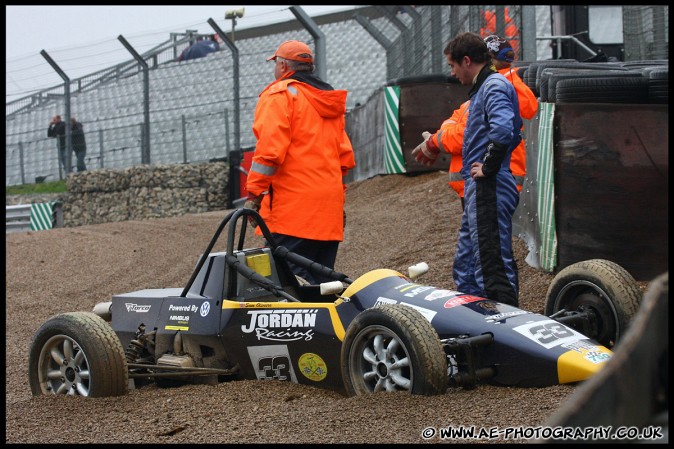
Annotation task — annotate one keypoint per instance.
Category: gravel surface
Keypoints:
(393, 221)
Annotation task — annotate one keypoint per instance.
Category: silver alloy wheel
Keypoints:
(63, 367)
(383, 360)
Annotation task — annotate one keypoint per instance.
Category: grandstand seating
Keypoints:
(200, 87)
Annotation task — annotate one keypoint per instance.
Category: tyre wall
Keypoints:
(611, 179)
(144, 192)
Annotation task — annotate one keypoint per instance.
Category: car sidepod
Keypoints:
(290, 341)
(528, 349)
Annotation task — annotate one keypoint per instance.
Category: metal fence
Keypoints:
(191, 104)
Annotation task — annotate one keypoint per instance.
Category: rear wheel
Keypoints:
(77, 354)
(393, 348)
(601, 287)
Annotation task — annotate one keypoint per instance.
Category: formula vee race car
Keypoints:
(243, 314)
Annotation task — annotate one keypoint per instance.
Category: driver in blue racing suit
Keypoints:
(484, 264)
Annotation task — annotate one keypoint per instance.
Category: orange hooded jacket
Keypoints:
(450, 135)
(301, 156)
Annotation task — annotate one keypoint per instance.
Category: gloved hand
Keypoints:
(426, 152)
(253, 202)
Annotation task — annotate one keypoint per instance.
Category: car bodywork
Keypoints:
(244, 315)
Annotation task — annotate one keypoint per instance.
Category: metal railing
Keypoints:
(33, 217)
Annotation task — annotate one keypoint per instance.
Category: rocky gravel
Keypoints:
(393, 221)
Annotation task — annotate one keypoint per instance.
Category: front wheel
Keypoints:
(77, 354)
(393, 348)
(600, 287)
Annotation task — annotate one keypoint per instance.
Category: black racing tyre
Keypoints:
(551, 76)
(393, 348)
(77, 354)
(631, 90)
(600, 286)
(530, 77)
(658, 85)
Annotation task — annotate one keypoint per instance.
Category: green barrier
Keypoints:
(41, 216)
(546, 188)
(394, 161)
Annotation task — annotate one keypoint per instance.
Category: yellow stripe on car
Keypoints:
(337, 325)
(369, 278)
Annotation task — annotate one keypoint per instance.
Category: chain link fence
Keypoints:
(191, 103)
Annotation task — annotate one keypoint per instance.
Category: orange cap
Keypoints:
(293, 50)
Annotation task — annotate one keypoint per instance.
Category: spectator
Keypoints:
(79, 143)
(302, 154)
(57, 129)
(484, 264)
(200, 49)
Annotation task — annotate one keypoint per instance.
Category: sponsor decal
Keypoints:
(549, 333)
(204, 309)
(428, 314)
(597, 356)
(185, 308)
(138, 308)
(282, 324)
(581, 346)
(503, 316)
(381, 301)
(590, 351)
(413, 290)
(254, 305)
(437, 294)
(312, 366)
(179, 319)
(272, 362)
(459, 300)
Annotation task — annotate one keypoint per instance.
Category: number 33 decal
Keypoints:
(549, 333)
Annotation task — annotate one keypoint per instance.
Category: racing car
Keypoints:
(243, 314)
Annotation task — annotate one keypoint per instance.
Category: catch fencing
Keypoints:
(192, 104)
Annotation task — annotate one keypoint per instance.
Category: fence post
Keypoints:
(227, 130)
(184, 126)
(100, 145)
(23, 171)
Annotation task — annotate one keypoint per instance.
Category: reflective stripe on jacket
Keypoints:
(301, 156)
(449, 138)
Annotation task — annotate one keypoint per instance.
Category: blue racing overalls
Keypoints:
(484, 263)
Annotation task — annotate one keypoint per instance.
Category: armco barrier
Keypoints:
(33, 217)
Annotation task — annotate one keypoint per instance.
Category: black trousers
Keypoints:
(319, 251)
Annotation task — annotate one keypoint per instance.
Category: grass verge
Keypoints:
(44, 187)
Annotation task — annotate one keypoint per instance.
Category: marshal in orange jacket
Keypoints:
(301, 157)
(449, 137)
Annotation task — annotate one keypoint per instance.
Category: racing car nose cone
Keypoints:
(578, 365)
